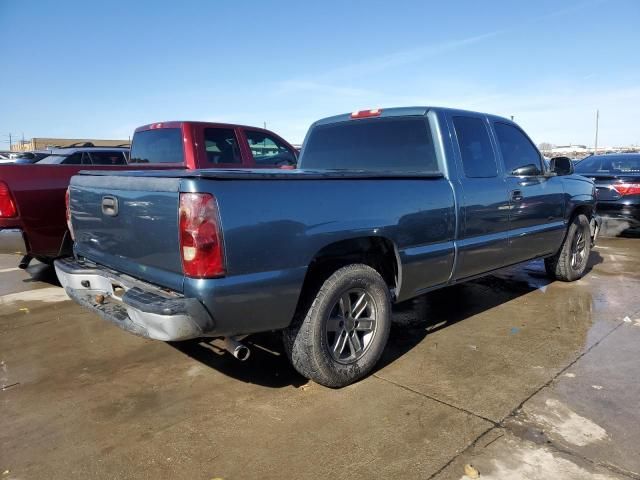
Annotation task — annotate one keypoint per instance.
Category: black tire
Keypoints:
(306, 341)
(563, 265)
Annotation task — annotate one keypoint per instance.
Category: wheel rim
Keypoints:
(578, 250)
(351, 326)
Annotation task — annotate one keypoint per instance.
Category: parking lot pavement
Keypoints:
(521, 377)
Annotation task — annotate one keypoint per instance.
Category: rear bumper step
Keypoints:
(135, 306)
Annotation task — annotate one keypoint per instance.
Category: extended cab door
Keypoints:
(536, 200)
(219, 146)
(268, 150)
(483, 203)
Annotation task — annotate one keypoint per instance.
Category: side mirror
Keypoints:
(529, 170)
(561, 165)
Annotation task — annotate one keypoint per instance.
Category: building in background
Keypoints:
(581, 151)
(573, 151)
(43, 143)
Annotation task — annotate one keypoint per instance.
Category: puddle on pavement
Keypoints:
(556, 419)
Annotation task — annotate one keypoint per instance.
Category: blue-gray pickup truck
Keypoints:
(385, 206)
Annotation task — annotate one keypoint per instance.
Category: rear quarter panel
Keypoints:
(274, 228)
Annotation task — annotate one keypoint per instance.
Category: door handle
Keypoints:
(516, 195)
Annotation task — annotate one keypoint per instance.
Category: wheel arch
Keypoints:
(581, 209)
(380, 253)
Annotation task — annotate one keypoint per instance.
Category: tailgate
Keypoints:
(129, 224)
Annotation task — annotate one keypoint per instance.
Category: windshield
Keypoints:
(53, 159)
(401, 144)
(609, 164)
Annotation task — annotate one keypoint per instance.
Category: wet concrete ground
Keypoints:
(521, 377)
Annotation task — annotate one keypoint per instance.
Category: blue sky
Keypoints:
(99, 69)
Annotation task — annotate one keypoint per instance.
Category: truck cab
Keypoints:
(509, 206)
(200, 145)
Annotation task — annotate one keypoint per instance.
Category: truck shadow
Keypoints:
(40, 272)
(412, 322)
(267, 366)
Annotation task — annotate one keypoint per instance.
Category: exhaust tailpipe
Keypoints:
(237, 349)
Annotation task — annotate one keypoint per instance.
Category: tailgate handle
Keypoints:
(110, 205)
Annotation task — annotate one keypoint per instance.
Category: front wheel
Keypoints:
(339, 335)
(570, 262)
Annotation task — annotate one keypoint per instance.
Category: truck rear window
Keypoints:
(162, 145)
(381, 144)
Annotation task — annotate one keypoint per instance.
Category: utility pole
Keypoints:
(9, 141)
(595, 146)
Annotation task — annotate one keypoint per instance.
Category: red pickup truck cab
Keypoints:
(32, 197)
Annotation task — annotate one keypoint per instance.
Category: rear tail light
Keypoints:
(201, 246)
(367, 113)
(627, 188)
(7, 205)
(67, 204)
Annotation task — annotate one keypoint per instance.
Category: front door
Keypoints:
(536, 200)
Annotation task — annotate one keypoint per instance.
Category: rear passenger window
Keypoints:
(73, 159)
(221, 146)
(478, 159)
(107, 158)
(517, 151)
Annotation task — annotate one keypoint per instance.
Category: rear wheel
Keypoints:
(570, 262)
(340, 333)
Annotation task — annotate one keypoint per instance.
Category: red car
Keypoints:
(32, 197)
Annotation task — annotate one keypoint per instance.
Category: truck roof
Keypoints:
(68, 151)
(181, 123)
(401, 112)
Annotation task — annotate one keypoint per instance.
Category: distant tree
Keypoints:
(545, 146)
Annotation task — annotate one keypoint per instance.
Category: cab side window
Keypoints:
(268, 150)
(73, 159)
(478, 159)
(221, 146)
(108, 158)
(517, 150)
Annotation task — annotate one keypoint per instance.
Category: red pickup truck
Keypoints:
(32, 197)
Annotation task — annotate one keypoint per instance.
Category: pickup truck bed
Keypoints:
(262, 249)
(321, 253)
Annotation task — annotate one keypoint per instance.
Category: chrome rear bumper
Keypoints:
(135, 306)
